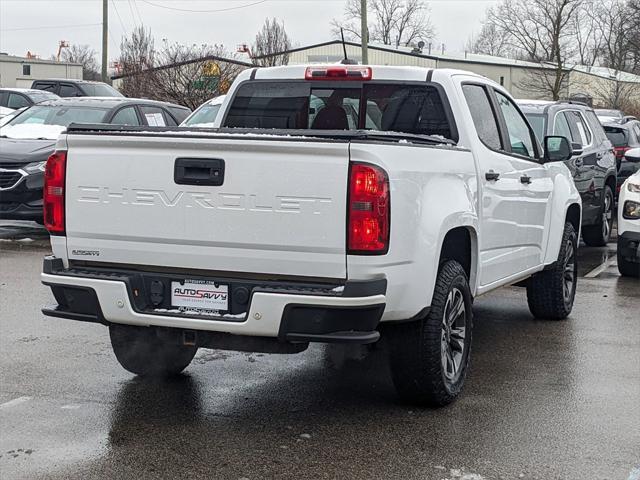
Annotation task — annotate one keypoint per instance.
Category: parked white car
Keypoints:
(629, 221)
(289, 226)
(205, 115)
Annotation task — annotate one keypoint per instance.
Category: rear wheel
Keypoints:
(429, 358)
(550, 293)
(598, 235)
(141, 351)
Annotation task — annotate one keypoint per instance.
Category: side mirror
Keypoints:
(632, 155)
(557, 149)
(576, 149)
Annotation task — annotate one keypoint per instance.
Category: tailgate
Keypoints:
(280, 208)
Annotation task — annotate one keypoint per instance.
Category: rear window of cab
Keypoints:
(416, 109)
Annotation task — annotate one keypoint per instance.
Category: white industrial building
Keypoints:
(593, 84)
(21, 71)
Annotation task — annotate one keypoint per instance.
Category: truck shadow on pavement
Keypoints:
(309, 419)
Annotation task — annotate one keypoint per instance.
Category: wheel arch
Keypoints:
(461, 244)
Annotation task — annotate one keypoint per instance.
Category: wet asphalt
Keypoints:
(544, 400)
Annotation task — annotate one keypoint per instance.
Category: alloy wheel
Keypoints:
(569, 272)
(607, 216)
(454, 322)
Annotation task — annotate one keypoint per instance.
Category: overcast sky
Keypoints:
(38, 25)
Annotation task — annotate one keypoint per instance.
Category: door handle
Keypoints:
(525, 179)
(492, 176)
(199, 171)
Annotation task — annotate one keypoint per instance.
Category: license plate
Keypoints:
(200, 295)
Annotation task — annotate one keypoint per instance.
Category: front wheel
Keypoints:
(429, 358)
(141, 351)
(598, 235)
(551, 293)
(628, 268)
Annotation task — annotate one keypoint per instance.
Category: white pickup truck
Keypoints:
(332, 201)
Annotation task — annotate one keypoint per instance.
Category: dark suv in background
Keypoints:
(76, 88)
(624, 137)
(593, 164)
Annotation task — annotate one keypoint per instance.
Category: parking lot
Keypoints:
(545, 400)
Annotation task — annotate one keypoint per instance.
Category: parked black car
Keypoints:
(75, 88)
(28, 139)
(16, 98)
(624, 137)
(593, 164)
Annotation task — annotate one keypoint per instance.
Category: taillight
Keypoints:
(369, 210)
(620, 151)
(338, 72)
(53, 204)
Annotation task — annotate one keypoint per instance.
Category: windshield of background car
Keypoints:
(59, 115)
(415, 109)
(205, 114)
(617, 136)
(538, 122)
(100, 90)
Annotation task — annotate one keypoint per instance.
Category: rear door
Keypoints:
(275, 207)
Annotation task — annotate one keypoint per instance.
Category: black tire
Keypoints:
(627, 268)
(551, 293)
(141, 351)
(429, 358)
(598, 235)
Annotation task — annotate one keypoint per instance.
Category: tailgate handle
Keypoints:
(199, 171)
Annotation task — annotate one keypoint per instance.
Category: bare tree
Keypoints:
(540, 31)
(392, 22)
(587, 29)
(191, 75)
(184, 74)
(634, 35)
(84, 55)
(270, 42)
(490, 41)
(137, 58)
(615, 27)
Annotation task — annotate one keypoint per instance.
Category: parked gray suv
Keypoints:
(593, 164)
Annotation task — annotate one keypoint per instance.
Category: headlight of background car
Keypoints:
(35, 167)
(631, 210)
(633, 187)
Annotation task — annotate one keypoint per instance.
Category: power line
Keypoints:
(204, 11)
(124, 29)
(138, 11)
(50, 27)
(133, 15)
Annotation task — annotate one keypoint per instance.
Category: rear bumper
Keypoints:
(343, 315)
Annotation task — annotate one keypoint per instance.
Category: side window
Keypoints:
(561, 126)
(522, 142)
(46, 86)
(126, 116)
(483, 116)
(581, 125)
(169, 119)
(67, 90)
(17, 101)
(153, 116)
(4, 97)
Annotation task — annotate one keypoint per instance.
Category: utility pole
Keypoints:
(364, 32)
(105, 32)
